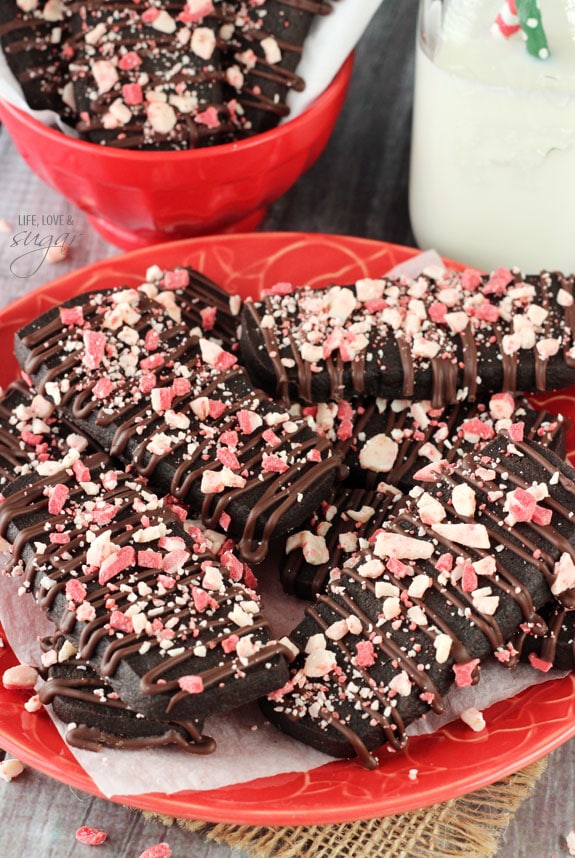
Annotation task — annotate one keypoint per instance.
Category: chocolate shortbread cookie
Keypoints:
(96, 715)
(445, 584)
(443, 337)
(390, 440)
(266, 40)
(123, 367)
(395, 442)
(149, 76)
(34, 35)
(176, 629)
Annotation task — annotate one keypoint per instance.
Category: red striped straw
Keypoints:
(507, 22)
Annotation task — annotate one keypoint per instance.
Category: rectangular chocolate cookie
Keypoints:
(176, 629)
(443, 585)
(96, 715)
(443, 337)
(390, 440)
(265, 42)
(148, 76)
(122, 367)
(34, 35)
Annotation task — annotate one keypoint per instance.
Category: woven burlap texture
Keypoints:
(469, 826)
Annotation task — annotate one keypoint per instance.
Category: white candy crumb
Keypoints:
(474, 719)
(10, 769)
(20, 676)
(33, 704)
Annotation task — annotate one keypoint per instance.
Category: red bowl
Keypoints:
(139, 198)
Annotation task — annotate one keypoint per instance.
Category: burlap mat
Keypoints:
(470, 826)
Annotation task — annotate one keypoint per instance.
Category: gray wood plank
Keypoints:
(39, 817)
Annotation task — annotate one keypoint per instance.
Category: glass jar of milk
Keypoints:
(492, 177)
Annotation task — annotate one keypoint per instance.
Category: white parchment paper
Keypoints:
(331, 40)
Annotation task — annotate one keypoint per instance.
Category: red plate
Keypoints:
(453, 761)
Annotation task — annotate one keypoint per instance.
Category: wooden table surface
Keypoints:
(358, 187)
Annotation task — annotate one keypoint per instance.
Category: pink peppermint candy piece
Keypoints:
(91, 836)
(161, 116)
(121, 622)
(10, 769)
(103, 388)
(208, 317)
(274, 464)
(365, 654)
(539, 663)
(129, 61)
(466, 673)
(75, 591)
(521, 505)
(195, 10)
(320, 662)
(177, 279)
(564, 575)
(248, 421)
(430, 473)
(21, 676)
(378, 453)
(116, 563)
(191, 684)
(132, 93)
(57, 498)
(95, 349)
(208, 117)
(105, 75)
(160, 850)
(314, 547)
(71, 316)
(501, 406)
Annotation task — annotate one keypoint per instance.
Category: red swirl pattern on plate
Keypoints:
(519, 730)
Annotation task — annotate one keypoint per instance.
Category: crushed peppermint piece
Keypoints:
(91, 836)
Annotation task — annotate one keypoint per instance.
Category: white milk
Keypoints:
(493, 152)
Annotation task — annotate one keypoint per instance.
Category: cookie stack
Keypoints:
(369, 439)
(452, 530)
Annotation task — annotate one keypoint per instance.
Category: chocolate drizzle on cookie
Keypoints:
(122, 580)
(472, 556)
(445, 337)
(178, 408)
